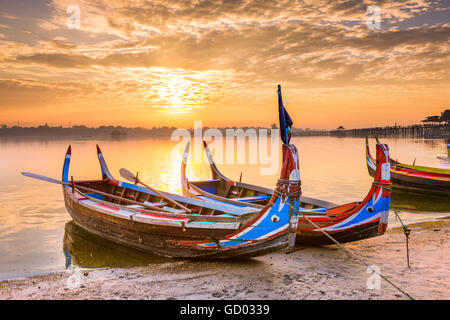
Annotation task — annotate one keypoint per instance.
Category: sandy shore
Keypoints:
(308, 273)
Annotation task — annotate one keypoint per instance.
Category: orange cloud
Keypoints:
(175, 61)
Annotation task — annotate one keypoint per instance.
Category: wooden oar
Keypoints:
(47, 179)
(131, 177)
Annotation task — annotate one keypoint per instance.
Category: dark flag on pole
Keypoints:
(285, 120)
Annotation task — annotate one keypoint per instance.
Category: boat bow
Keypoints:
(65, 171)
(106, 174)
(376, 203)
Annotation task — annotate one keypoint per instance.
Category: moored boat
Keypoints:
(447, 158)
(140, 218)
(412, 177)
(346, 223)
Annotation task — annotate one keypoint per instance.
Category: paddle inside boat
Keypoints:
(349, 222)
(421, 178)
(140, 218)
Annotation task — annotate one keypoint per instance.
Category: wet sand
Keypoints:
(307, 273)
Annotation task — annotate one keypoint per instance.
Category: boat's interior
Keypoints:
(137, 197)
(221, 189)
(236, 192)
(245, 194)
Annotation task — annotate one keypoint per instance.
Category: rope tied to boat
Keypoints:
(382, 185)
(289, 188)
(348, 250)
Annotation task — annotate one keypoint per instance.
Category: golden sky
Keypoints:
(153, 63)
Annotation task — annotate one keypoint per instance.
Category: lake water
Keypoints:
(36, 235)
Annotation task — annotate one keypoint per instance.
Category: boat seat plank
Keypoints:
(174, 210)
(96, 196)
(213, 225)
(255, 198)
(196, 202)
(134, 206)
(151, 218)
(155, 204)
(220, 202)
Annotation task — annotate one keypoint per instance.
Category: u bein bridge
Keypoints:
(427, 131)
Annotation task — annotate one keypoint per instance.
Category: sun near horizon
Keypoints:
(165, 63)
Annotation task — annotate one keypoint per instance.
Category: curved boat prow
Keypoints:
(216, 174)
(106, 174)
(65, 171)
(187, 188)
(370, 161)
(186, 153)
(374, 209)
(217, 188)
(382, 185)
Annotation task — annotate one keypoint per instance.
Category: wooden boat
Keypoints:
(349, 222)
(346, 223)
(137, 217)
(448, 152)
(419, 178)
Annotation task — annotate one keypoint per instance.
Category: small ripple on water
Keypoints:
(33, 216)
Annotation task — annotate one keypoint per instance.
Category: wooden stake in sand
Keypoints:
(349, 251)
(407, 232)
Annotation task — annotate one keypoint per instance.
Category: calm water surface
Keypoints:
(36, 235)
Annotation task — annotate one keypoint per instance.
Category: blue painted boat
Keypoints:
(137, 217)
(412, 177)
(346, 223)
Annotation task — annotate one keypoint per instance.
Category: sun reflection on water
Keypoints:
(33, 215)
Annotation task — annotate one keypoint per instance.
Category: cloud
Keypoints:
(207, 53)
(293, 50)
(61, 44)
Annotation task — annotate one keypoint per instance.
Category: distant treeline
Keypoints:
(121, 132)
(308, 132)
(424, 131)
(81, 131)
